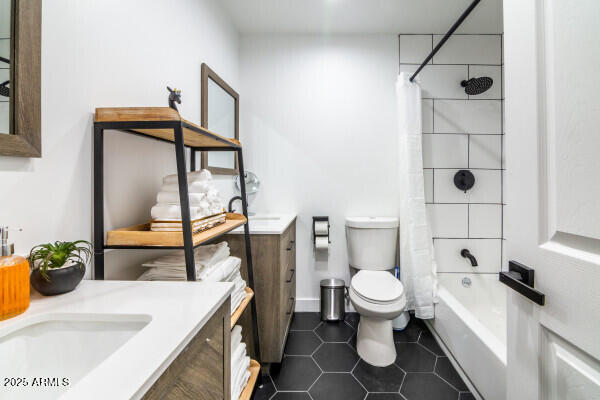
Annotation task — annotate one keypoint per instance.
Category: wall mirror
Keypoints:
(20, 98)
(220, 114)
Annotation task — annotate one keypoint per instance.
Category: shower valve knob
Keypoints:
(464, 180)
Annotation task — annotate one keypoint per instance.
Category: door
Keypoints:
(552, 75)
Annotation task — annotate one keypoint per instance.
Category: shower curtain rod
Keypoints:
(446, 37)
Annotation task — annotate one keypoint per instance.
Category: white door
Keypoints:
(552, 76)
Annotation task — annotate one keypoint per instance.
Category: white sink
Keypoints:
(264, 217)
(65, 346)
(267, 224)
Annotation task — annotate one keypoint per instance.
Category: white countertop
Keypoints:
(267, 224)
(176, 311)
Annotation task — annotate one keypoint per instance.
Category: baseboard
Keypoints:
(454, 363)
(314, 305)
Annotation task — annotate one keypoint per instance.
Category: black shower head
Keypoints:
(476, 86)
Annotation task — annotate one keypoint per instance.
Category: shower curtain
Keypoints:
(417, 263)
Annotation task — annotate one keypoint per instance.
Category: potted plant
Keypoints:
(58, 267)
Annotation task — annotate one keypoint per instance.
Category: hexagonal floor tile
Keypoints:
(427, 340)
(409, 334)
(291, 396)
(412, 357)
(301, 343)
(378, 379)
(337, 386)
(352, 319)
(266, 391)
(444, 368)
(384, 396)
(296, 373)
(427, 387)
(336, 357)
(334, 331)
(352, 342)
(305, 321)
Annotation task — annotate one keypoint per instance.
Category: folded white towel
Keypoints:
(196, 199)
(205, 257)
(171, 212)
(193, 187)
(237, 356)
(236, 335)
(203, 175)
(241, 379)
(223, 270)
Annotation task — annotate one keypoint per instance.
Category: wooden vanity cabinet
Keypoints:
(202, 369)
(274, 265)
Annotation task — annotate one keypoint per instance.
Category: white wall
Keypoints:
(318, 125)
(101, 54)
(461, 132)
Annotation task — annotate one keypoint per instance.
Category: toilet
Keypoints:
(374, 292)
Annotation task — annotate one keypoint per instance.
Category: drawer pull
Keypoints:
(292, 275)
(291, 245)
(291, 306)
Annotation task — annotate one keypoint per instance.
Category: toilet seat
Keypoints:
(377, 287)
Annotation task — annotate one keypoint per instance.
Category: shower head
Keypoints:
(476, 86)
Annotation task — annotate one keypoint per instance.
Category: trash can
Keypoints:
(332, 300)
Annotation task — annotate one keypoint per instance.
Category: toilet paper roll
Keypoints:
(321, 242)
(321, 228)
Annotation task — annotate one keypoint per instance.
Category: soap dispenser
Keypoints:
(14, 279)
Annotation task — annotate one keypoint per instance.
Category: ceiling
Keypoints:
(362, 16)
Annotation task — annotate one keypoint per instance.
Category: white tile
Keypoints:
(467, 116)
(494, 72)
(448, 220)
(469, 49)
(427, 115)
(414, 48)
(440, 81)
(485, 151)
(4, 51)
(486, 251)
(487, 188)
(428, 177)
(485, 221)
(445, 151)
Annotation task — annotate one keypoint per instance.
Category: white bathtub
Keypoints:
(471, 324)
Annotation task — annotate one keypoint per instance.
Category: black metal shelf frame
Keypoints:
(188, 244)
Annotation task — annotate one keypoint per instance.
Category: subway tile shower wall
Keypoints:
(461, 132)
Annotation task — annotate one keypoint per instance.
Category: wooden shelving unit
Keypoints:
(249, 388)
(238, 312)
(142, 236)
(165, 124)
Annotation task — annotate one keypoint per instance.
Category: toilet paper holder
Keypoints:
(320, 219)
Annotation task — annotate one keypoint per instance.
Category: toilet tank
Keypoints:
(372, 242)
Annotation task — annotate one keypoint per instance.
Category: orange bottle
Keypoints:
(14, 286)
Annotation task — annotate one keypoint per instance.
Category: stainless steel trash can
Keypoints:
(332, 300)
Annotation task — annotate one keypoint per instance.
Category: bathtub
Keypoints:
(470, 322)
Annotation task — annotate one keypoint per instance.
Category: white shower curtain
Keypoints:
(417, 263)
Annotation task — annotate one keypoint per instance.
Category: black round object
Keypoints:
(62, 280)
(475, 86)
(464, 180)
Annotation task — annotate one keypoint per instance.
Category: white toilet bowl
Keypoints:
(379, 298)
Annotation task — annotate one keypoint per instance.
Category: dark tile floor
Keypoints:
(320, 363)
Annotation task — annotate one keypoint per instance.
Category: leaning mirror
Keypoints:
(20, 100)
(220, 114)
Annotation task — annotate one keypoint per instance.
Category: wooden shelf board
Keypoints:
(238, 312)
(193, 135)
(142, 236)
(254, 371)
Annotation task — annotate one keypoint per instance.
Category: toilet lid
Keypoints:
(379, 286)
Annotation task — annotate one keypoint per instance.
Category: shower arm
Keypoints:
(455, 26)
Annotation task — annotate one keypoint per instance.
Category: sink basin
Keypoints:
(66, 346)
(259, 218)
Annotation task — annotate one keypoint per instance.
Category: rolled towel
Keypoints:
(171, 212)
(193, 176)
(196, 199)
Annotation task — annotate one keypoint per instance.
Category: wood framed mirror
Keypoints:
(220, 114)
(20, 70)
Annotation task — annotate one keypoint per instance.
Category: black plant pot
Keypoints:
(62, 280)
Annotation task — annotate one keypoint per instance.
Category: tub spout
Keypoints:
(467, 254)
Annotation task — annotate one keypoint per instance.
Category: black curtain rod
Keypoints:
(446, 37)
